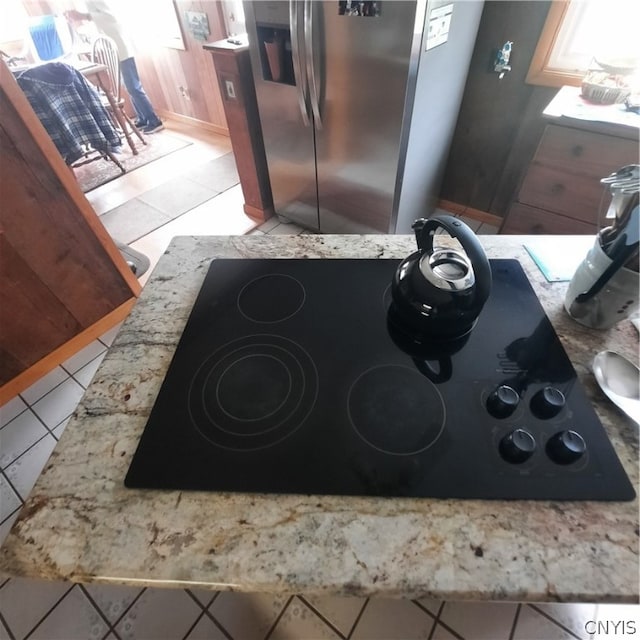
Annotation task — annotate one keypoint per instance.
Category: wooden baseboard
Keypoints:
(193, 122)
(258, 214)
(470, 212)
(64, 352)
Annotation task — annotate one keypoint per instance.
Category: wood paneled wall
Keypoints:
(183, 84)
(500, 122)
(180, 84)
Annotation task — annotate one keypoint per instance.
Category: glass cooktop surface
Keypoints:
(290, 378)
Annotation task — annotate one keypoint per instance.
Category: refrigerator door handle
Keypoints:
(298, 70)
(311, 71)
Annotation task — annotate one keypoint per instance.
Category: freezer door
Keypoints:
(281, 92)
(362, 66)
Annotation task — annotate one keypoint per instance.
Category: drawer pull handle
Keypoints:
(577, 150)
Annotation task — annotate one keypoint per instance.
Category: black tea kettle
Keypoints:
(438, 293)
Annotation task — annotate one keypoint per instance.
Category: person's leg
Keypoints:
(141, 103)
(129, 75)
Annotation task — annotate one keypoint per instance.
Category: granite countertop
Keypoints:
(568, 107)
(81, 524)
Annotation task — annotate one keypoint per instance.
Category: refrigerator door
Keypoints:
(275, 31)
(362, 67)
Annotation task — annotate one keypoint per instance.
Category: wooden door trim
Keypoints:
(31, 375)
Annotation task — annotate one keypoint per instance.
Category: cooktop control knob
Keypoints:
(503, 401)
(566, 447)
(547, 403)
(518, 446)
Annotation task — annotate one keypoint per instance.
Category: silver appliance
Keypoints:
(358, 102)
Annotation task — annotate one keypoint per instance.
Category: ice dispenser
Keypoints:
(274, 41)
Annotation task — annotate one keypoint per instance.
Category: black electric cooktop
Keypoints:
(289, 378)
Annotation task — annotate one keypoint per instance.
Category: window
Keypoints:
(151, 23)
(579, 32)
(13, 27)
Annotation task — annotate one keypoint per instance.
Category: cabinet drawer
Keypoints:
(583, 152)
(566, 193)
(523, 219)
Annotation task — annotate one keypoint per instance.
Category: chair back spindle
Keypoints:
(104, 51)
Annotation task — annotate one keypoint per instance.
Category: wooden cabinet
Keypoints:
(64, 281)
(561, 191)
(235, 78)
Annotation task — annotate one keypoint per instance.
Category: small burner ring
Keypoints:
(271, 298)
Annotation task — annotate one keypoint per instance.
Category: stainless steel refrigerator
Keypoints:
(358, 102)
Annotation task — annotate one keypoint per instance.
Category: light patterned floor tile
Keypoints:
(133, 220)
(618, 611)
(177, 196)
(159, 613)
(480, 620)
(286, 229)
(23, 603)
(247, 615)
(269, 224)
(24, 471)
(340, 612)
(85, 374)
(11, 409)
(386, 619)
(150, 175)
(7, 524)
(4, 632)
(112, 600)
(59, 403)
(84, 356)
(203, 596)
(102, 200)
(573, 617)
(206, 629)
(299, 621)
(57, 432)
(442, 633)
(432, 606)
(532, 625)
(18, 435)
(9, 499)
(218, 174)
(75, 617)
(44, 385)
(221, 216)
(108, 337)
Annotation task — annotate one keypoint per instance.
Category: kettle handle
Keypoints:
(425, 229)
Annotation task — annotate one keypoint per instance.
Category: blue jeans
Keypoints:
(139, 99)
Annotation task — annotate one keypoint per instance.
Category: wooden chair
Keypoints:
(104, 51)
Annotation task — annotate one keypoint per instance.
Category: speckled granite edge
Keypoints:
(81, 524)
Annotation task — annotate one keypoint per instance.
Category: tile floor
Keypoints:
(31, 424)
